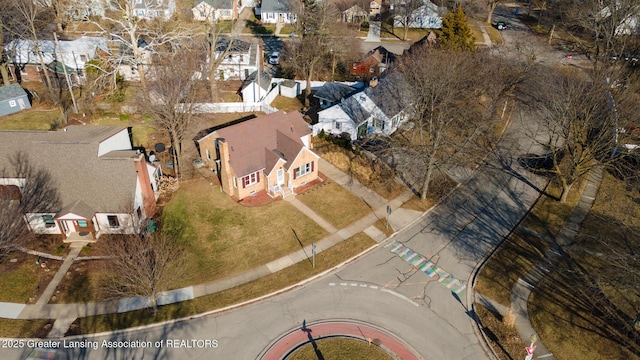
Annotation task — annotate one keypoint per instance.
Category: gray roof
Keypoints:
(387, 95)
(264, 80)
(333, 91)
(275, 6)
(86, 183)
(352, 107)
(216, 4)
(11, 91)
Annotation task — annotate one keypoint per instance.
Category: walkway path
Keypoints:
(374, 32)
(65, 314)
(525, 284)
(357, 330)
(48, 292)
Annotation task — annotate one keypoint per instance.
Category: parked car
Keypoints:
(274, 58)
(501, 25)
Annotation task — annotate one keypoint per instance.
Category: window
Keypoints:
(303, 170)
(379, 123)
(113, 221)
(83, 57)
(82, 223)
(139, 213)
(208, 154)
(12, 103)
(48, 221)
(251, 179)
(337, 125)
(235, 182)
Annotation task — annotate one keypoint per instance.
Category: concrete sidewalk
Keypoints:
(65, 314)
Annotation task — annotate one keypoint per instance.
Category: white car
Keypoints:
(274, 58)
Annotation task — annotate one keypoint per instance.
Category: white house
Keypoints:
(255, 87)
(276, 11)
(214, 10)
(241, 59)
(104, 186)
(149, 9)
(426, 16)
(379, 109)
(74, 54)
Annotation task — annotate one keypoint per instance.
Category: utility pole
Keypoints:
(66, 76)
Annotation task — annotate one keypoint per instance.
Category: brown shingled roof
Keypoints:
(248, 140)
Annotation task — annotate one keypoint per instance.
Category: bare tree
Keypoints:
(610, 26)
(213, 41)
(139, 38)
(405, 13)
(31, 14)
(491, 6)
(319, 25)
(451, 109)
(580, 114)
(143, 265)
(34, 192)
(172, 95)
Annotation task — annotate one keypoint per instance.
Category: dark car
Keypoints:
(501, 25)
(377, 17)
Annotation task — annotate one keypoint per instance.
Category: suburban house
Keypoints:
(376, 62)
(269, 153)
(276, 11)
(426, 16)
(82, 9)
(13, 98)
(104, 185)
(354, 15)
(215, 10)
(332, 92)
(256, 87)
(379, 109)
(149, 9)
(73, 54)
(241, 60)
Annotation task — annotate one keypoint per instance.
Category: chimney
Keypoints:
(373, 82)
(148, 197)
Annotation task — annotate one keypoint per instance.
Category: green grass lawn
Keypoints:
(31, 119)
(224, 238)
(339, 348)
(19, 283)
(389, 32)
(265, 285)
(335, 204)
(141, 127)
(286, 104)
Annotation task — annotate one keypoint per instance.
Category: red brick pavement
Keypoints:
(321, 330)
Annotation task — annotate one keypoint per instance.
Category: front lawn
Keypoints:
(265, 285)
(334, 204)
(31, 119)
(224, 238)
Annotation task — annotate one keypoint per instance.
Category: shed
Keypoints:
(289, 88)
(13, 98)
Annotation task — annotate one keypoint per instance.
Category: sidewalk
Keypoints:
(523, 287)
(65, 314)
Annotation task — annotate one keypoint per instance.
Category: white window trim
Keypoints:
(249, 182)
(303, 170)
(235, 182)
(12, 103)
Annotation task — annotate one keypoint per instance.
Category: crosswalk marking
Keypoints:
(427, 267)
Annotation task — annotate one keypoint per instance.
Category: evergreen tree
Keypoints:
(455, 33)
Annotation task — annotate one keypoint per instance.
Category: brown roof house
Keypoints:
(269, 153)
(104, 185)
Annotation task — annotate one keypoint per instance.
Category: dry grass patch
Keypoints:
(335, 204)
(504, 339)
(287, 104)
(289, 276)
(339, 348)
(10, 328)
(224, 238)
(375, 176)
(141, 126)
(31, 119)
(439, 188)
(581, 309)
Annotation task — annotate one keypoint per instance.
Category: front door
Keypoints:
(280, 176)
(67, 226)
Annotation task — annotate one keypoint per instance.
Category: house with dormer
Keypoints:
(378, 109)
(215, 10)
(271, 153)
(242, 58)
(104, 185)
(276, 11)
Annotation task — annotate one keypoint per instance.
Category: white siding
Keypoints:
(36, 223)
(126, 224)
(119, 141)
